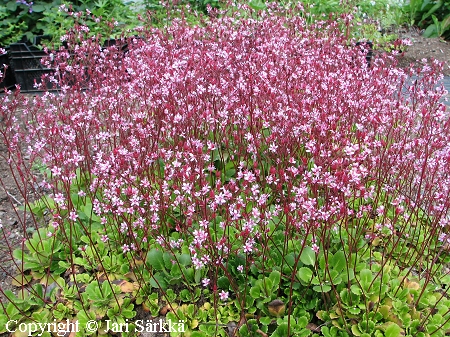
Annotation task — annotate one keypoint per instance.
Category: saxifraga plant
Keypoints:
(258, 169)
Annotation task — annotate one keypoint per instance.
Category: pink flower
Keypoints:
(56, 171)
(248, 246)
(73, 215)
(315, 248)
(223, 295)
(59, 199)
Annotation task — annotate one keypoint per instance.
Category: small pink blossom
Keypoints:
(56, 171)
(315, 248)
(59, 199)
(73, 215)
(223, 295)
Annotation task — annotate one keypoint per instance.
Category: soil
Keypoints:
(10, 220)
(428, 48)
(10, 198)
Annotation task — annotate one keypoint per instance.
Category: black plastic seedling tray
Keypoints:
(9, 80)
(26, 63)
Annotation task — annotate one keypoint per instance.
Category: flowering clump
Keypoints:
(244, 145)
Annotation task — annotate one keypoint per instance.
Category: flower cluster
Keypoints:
(222, 133)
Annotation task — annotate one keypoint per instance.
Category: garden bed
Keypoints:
(226, 168)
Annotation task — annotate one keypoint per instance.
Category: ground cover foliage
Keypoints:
(254, 174)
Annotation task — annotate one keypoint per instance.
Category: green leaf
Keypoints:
(185, 295)
(366, 278)
(393, 330)
(290, 259)
(257, 5)
(230, 173)
(432, 10)
(175, 273)
(435, 21)
(334, 277)
(197, 276)
(355, 289)
(184, 259)
(84, 317)
(445, 24)
(158, 281)
(38, 8)
(322, 289)
(223, 283)
(167, 257)
(3, 321)
(275, 277)
(303, 321)
(265, 320)
(18, 254)
(339, 262)
(255, 292)
(355, 330)
(348, 275)
(198, 334)
(189, 274)
(308, 256)
(326, 331)
(12, 6)
(93, 291)
(305, 274)
(431, 31)
(268, 286)
(354, 311)
(155, 259)
(281, 331)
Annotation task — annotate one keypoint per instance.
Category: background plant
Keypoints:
(433, 16)
(26, 20)
(211, 170)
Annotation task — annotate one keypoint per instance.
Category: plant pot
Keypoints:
(9, 80)
(26, 63)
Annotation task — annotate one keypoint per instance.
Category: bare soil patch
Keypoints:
(424, 48)
(11, 234)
